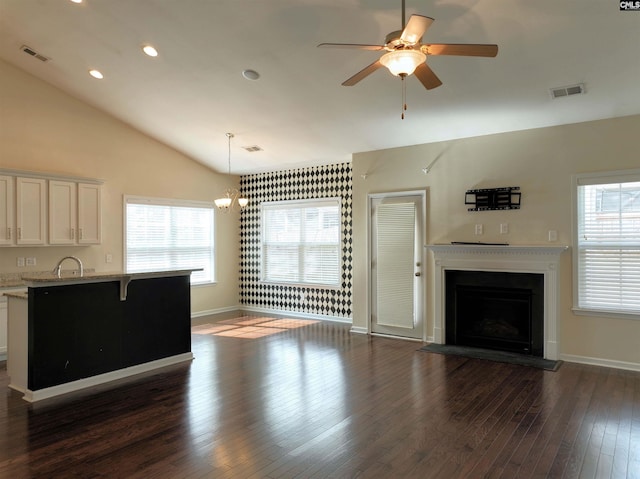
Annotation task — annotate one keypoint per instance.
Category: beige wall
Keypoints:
(45, 130)
(541, 162)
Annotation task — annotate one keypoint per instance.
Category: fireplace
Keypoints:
(495, 310)
(538, 260)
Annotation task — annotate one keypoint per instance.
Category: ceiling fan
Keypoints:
(406, 54)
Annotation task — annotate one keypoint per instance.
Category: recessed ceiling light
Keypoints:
(149, 50)
(76, 1)
(96, 74)
(251, 74)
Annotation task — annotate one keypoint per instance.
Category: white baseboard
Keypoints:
(359, 330)
(607, 363)
(296, 314)
(46, 393)
(208, 312)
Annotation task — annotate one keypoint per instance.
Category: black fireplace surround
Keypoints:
(495, 310)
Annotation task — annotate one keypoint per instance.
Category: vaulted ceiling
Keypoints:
(297, 112)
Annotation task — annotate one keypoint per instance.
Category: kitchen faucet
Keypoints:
(58, 269)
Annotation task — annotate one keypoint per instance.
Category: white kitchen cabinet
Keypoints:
(39, 209)
(74, 213)
(31, 211)
(63, 212)
(89, 213)
(7, 208)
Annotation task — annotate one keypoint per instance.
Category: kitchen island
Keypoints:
(69, 333)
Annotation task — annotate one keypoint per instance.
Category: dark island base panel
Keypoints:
(82, 330)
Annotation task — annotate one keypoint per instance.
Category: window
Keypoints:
(169, 234)
(607, 252)
(301, 242)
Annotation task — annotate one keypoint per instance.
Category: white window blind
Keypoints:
(608, 243)
(301, 242)
(395, 245)
(166, 235)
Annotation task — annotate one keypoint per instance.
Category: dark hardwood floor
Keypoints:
(287, 398)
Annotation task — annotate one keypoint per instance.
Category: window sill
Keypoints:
(302, 285)
(605, 314)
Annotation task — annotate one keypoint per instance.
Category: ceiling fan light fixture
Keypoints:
(403, 62)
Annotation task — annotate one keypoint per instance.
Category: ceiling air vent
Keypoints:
(34, 53)
(559, 92)
(252, 149)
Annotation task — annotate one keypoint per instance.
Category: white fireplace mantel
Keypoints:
(540, 259)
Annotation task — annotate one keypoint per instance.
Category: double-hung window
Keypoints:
(607, 249)
(164, 234)
(301, 242)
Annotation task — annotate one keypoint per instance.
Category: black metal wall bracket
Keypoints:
(507, 198)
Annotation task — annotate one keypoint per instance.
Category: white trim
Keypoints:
(601, 313)
(147, 200)
(393, 336)
(584, 179)
(359, 330)
(424, 233)
(296, 314)
(49, 176)
(209, 312)
(515, 259)
(607, 363)
(46, 393)
(304, 202)
(606, 177)
(327, 287)
(301, 204)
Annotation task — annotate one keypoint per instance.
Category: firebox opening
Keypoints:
(495, 310)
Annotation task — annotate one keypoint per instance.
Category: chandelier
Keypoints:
(232, 200)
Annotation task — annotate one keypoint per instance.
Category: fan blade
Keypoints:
(426, 76)
(468, 50)
(351, 45)
(365, 72)
(415, 28)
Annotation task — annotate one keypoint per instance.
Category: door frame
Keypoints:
(423, 256)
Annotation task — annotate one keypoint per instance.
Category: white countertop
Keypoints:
(20, 294)
(52, 279)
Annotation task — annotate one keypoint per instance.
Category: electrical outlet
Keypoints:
(479, 229)
(20, 262)
(504, 228)
(553, 235)
(108, 258)
(31, 261)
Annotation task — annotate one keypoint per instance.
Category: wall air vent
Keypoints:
(570, 90)
(252, 149)
(33, 53)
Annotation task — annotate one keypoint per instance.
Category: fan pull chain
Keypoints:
(404, 97)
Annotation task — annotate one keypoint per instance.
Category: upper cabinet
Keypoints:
(7, 209)
(40, 210)
(63, 212)
(31, 220)
(89, 213)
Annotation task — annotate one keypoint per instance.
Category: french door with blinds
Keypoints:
(397, 265)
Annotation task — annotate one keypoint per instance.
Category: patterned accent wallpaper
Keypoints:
(314, 182)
